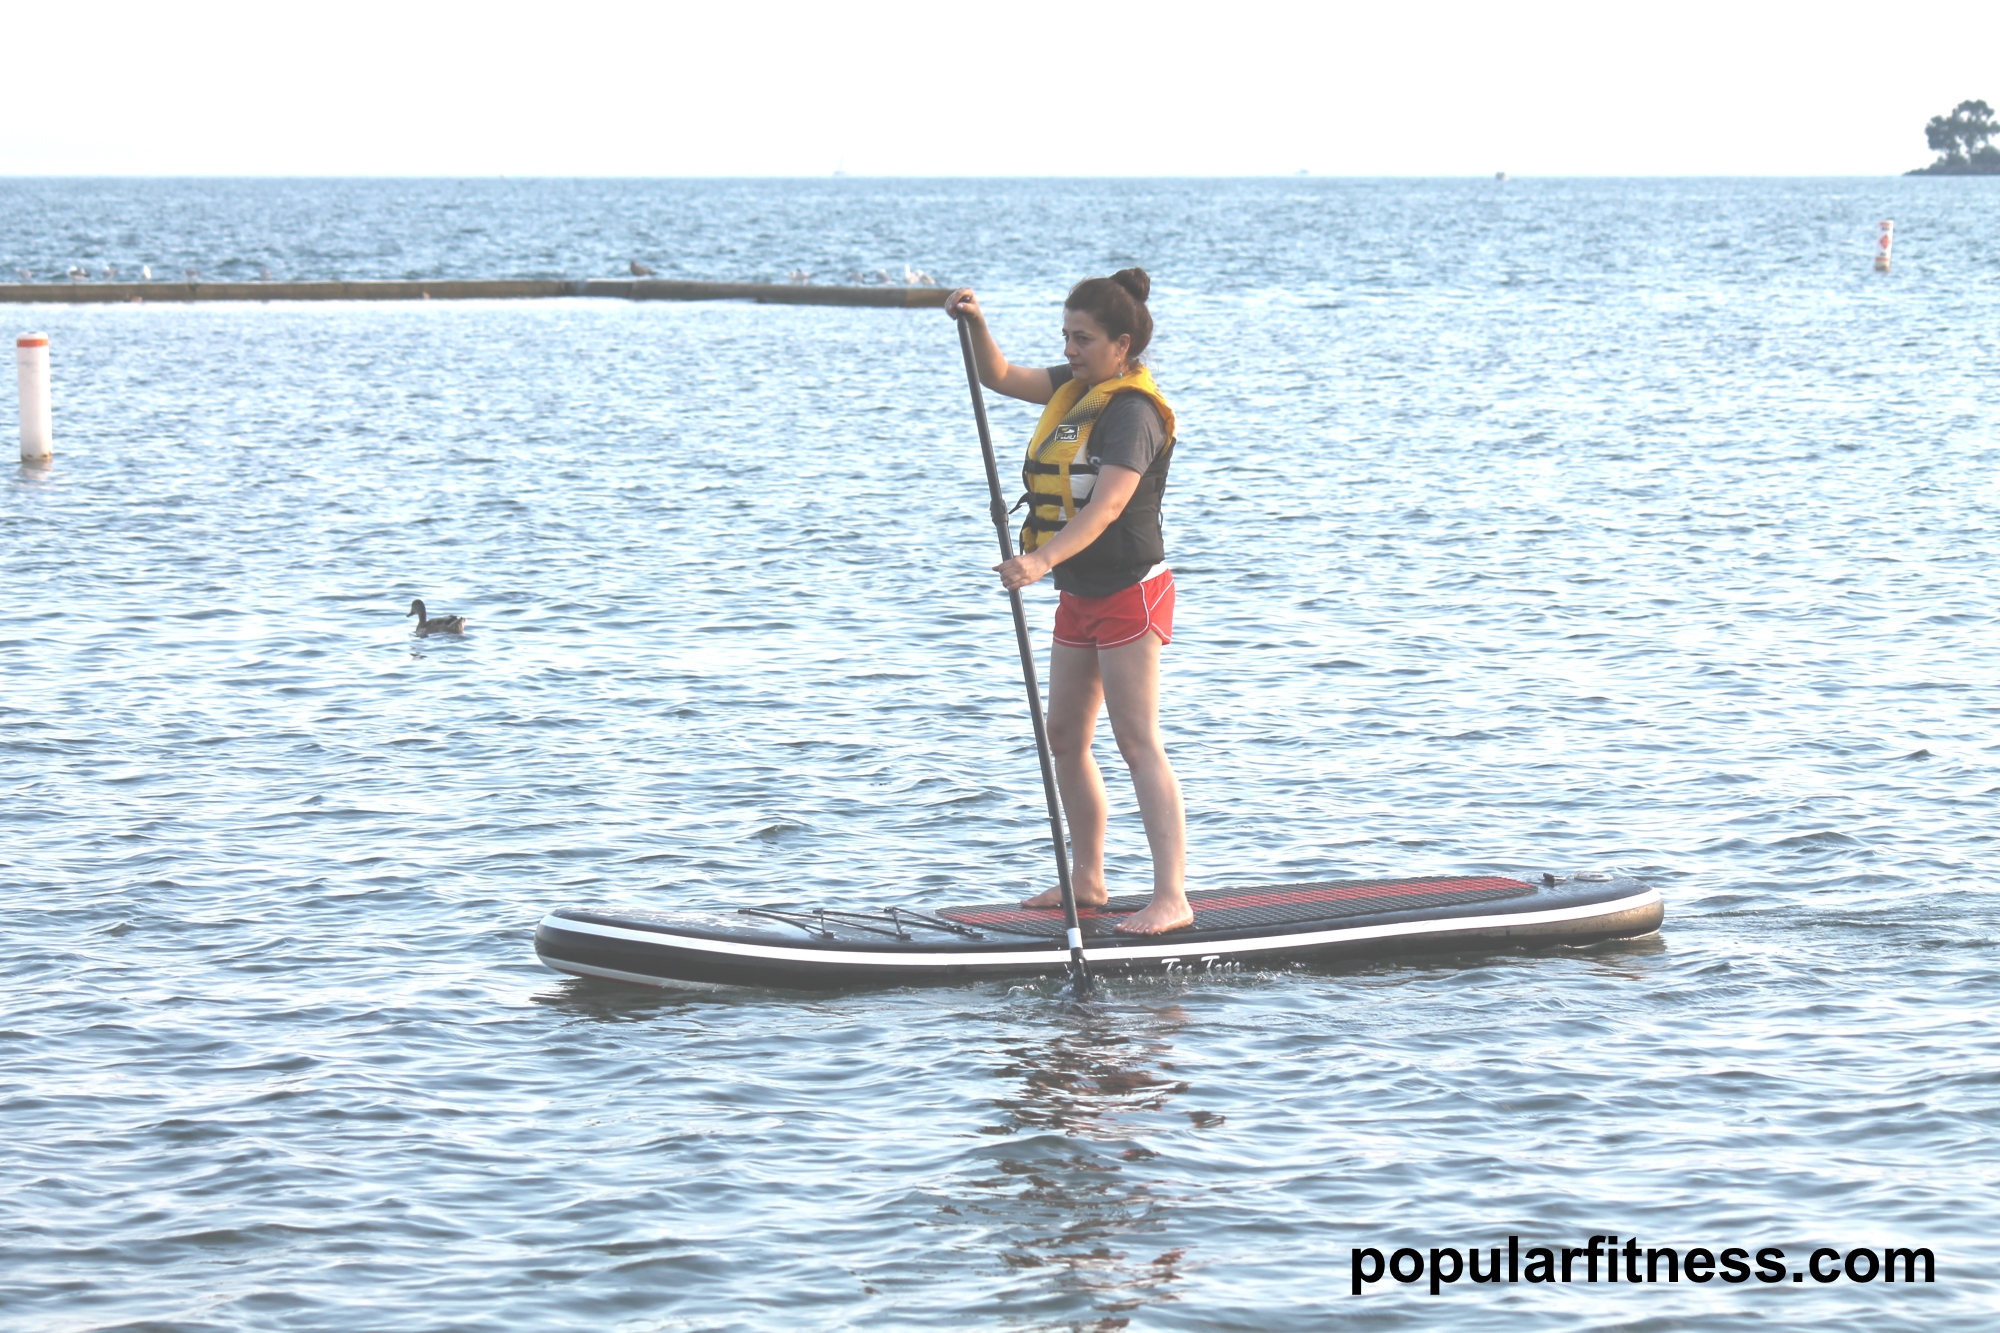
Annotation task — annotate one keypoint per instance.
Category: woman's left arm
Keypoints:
(1114, 490)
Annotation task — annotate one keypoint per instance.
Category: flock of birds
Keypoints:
(912, 277)
(79, 273)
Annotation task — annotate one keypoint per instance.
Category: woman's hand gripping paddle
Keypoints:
(1080, 985)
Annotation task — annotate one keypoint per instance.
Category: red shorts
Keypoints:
(1122, 618)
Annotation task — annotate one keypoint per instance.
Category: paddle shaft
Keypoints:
(1079, 972)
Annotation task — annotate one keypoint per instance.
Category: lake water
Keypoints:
(1624, 525)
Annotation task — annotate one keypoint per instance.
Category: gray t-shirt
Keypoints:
(1129, 434)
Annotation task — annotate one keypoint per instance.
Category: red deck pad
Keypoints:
(1293, 902)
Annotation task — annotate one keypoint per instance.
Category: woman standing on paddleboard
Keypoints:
(1096, 469)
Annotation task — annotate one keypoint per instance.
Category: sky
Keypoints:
(893, 87)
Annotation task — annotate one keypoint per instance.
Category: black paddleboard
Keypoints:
(1269, 926)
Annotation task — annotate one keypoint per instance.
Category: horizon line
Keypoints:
(1494, 177)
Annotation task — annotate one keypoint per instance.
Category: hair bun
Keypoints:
(1135, 281)
(1118, 304)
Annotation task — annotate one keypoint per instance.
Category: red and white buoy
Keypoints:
(1885, 236)
(31, 362)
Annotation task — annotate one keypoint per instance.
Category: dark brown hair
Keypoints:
(1118, 304)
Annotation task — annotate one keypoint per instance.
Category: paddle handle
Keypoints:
(1079, 971)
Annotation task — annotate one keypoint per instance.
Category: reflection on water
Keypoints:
(1100, 1061)
(1061, 1196)
(585, 999)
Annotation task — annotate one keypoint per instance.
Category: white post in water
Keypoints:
(31, 360)
(1885, 236)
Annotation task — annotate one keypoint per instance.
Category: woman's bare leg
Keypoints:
(1129, 679)
(1075, 696)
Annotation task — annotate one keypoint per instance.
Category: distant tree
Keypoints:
(1963, 141)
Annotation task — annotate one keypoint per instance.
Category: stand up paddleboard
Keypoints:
(1273, 926)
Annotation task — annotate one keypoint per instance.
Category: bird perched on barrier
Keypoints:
(194, 275)
(77, 273)
(111, 272)
(429, 624)
(639, 270)
(25, 275)
(145, 272)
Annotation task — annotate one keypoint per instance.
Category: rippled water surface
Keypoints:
(1635, 526)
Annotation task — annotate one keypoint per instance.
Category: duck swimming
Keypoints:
(434, 625)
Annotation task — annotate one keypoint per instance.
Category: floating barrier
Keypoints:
(474, 289)
(31, 366)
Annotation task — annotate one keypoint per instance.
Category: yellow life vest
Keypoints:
(1060, 437)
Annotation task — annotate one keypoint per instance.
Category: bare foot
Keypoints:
(1158, 918)
(1094, 896)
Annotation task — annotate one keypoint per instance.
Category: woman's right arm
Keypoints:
(994, 372)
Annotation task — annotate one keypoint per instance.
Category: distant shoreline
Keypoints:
(1957, 169)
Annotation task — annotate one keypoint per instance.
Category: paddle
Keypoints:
(1079, 973)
